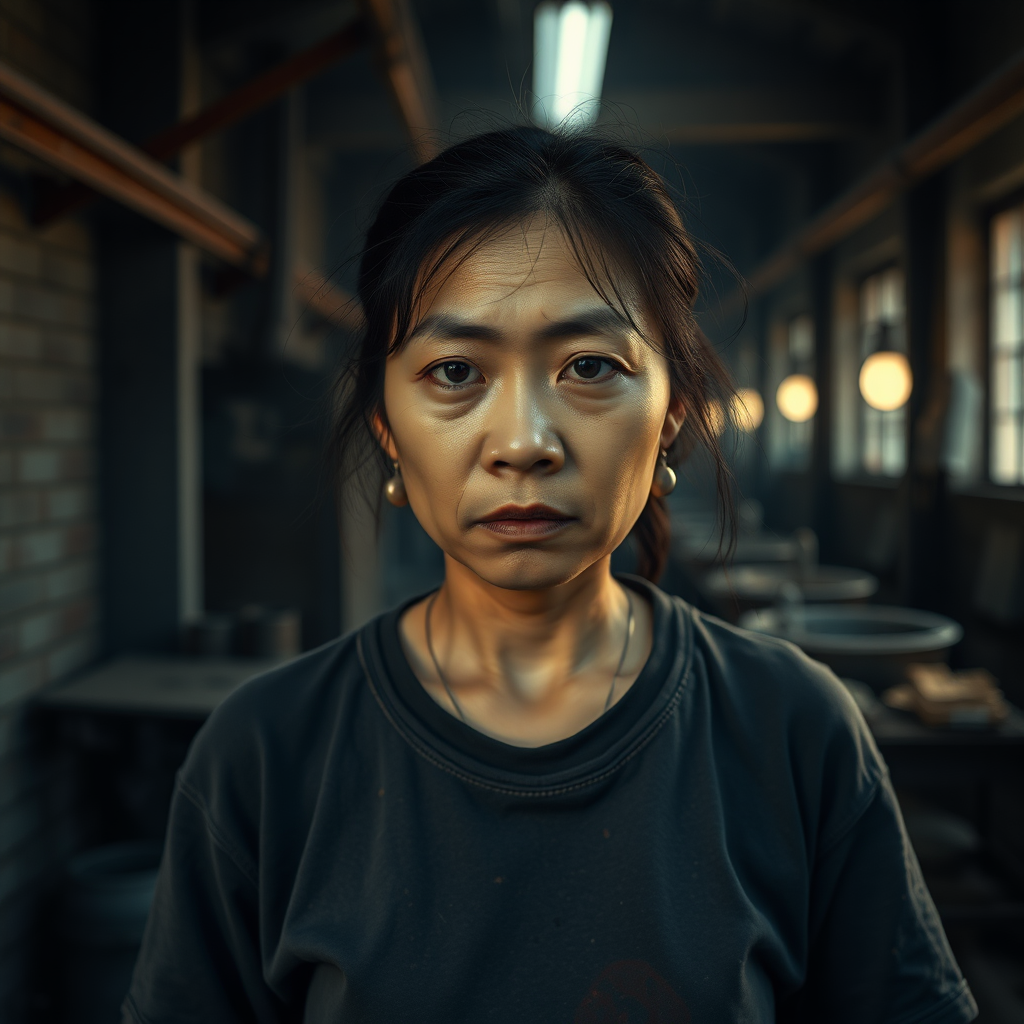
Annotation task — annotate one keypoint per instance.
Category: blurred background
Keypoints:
(183, 187)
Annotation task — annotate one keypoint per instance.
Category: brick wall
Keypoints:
(48, 596)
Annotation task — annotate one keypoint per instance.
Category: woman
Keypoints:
(541, 793)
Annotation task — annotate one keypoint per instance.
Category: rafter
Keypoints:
(403, 63)
(57, 200)
(66, 140)
(994, 103)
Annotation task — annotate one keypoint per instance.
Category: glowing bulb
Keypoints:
(797, 398)
(747, 409)
(886, 380)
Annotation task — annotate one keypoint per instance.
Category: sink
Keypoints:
(753, 585)
(872, 643)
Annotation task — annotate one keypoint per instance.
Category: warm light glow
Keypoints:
(797, 398)
(747, 409)
(716, 418)
(886, 380)
(570, 48)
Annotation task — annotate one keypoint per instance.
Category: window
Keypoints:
(1006, 351)
(883, 434)
(792, 430)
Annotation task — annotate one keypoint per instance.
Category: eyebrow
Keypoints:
(602, 320)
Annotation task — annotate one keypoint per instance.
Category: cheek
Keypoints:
(435, 453)
(617, 450)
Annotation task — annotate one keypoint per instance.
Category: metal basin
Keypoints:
(872, 643)
(751, 586)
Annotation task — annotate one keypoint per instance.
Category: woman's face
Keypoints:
(526, 414)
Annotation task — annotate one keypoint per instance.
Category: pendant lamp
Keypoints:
(797, 398)
(886, 380)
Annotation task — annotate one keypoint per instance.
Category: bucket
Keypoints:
(105, 903)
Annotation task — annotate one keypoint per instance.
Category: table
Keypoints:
(155, 685)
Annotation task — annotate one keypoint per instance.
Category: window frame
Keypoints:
(1012, 491)
(862, 474)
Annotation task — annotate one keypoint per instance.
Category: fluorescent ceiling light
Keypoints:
(570, 49)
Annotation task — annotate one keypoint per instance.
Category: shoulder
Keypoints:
(790, 718)
(274, 727)
(759, 673)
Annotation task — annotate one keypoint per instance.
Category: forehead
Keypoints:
(520, 271)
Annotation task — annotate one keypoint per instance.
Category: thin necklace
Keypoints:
(448, 689)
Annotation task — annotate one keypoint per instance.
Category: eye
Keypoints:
(454, 373)
(591, 368)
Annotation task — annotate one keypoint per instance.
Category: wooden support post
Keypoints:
(403, 63)
(68, 141)
(922, 504)
(821, 450)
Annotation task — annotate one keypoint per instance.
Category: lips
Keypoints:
(525, 522)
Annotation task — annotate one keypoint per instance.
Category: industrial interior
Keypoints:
(184, 185)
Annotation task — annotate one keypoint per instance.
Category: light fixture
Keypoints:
(797, 398)
(886, 380)
(747, 409)
(569, 51)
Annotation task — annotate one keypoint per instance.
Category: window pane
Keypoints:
(1004, 460)
(1006, 315)
(893, 443)
(1006, 381)
(1000, 384)
(883, 437)
(892, 295)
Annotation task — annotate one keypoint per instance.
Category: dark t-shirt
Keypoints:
(722, 845)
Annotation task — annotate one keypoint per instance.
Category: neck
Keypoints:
(528, 643)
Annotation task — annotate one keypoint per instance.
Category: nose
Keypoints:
(521, 432)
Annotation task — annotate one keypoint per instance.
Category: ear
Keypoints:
(384, 438)
(674, 419)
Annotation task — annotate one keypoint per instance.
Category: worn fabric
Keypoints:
(722, 845)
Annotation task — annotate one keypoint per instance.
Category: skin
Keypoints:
(488, 406)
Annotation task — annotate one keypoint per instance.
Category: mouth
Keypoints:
(524, 522)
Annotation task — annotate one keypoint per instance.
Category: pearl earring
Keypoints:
(394, 489)
(664, 481)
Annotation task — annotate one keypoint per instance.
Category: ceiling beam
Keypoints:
(403, 63)
(994, 103)
(728, 116)
(55, 200)
(259, 92)
(325, 299)
(753, 133)
(66, 140)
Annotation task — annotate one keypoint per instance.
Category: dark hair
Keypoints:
(616, 214)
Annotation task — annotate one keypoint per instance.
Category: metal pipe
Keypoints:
(55, 133)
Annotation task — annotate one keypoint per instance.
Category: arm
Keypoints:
(200, 957)
(877, 949)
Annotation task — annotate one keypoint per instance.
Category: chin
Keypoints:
(530, 569)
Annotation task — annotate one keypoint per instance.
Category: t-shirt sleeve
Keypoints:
(877, 949)
(200, 958)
